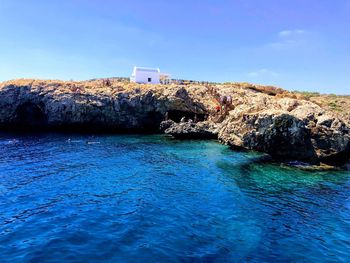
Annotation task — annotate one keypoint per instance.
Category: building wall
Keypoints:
(142, 77)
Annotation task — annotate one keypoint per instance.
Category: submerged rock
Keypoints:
(313, 168)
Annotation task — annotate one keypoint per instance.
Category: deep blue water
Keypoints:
(80, 198)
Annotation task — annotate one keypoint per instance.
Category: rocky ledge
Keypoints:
(191, 130)
(285, 125)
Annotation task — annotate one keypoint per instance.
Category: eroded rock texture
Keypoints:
(260, 118)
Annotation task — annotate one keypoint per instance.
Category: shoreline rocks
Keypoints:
(281, 136)
(191, 130)
(284, 127)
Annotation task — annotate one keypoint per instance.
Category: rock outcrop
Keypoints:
(191, 130)
(264, 119)
(88, 105)
(287, 128)
(280, 135)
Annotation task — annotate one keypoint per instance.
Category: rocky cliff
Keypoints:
(26, 104)
(282, 124)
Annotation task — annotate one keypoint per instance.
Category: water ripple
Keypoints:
(71, 198)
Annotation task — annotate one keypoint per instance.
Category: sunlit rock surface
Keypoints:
(283, 124)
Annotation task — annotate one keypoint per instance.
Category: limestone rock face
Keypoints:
(260, 118)
(287, 128)
(86, 105)
(164, 125)
(190, 130)
(280, 135)
(331, 141)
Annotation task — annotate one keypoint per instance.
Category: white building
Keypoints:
(145, 75)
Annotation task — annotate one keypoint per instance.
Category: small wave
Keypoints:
(9, 142)
(74, 141)
(93, 142)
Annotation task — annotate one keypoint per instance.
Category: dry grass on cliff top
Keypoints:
(90, 86)
(339, 104)
(335, 103)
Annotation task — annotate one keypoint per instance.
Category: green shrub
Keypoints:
(334, 106)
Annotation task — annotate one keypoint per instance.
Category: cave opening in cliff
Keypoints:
(151, 122)
(177, 115)
(30, 115)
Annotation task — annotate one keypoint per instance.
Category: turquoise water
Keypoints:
(80, 198)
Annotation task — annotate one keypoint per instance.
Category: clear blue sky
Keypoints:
(294, 44)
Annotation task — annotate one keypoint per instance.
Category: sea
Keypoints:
(151, 198)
